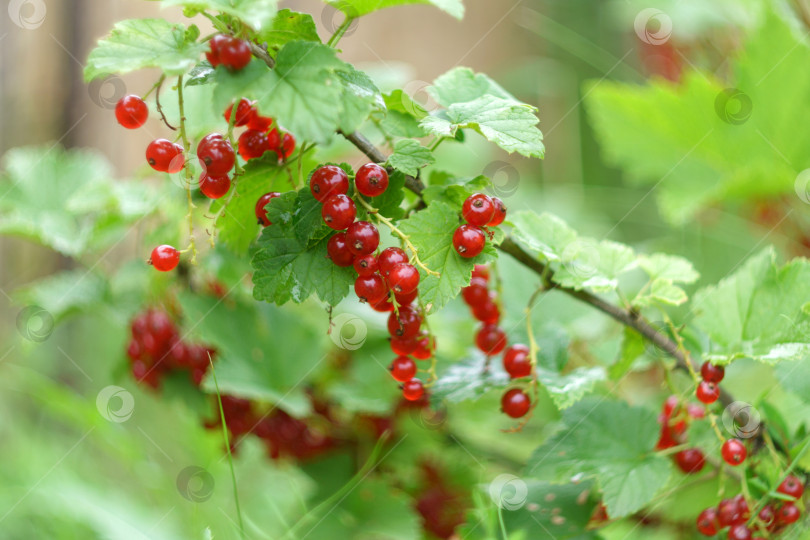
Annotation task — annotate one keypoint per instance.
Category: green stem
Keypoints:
(501, 523)
(187, 170)
(333, 41)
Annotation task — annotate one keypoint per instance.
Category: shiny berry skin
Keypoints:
(707, 522)
(164, 258)
(371, 180)
(729, 513)
(214, 45)
(286, 147)
(403, 369)
(690, 461)
(206, 141)
(488, 312)
(734, 452)
(338, 212)
(406, 325)
(469, 241)
(404, 346)
(218, 156)
(707, 392)
(234, 54)
(490, 339)
(252, 144)
(365, 265)
(413, 390)
(161, 153)
(337, 248)
(481, 271)
(476, 292)
(384, 305)
(260, 123)
(515, 403)
(327, 181)
(403, 278)
(500, 213)
(739, 532)
(516, 361)
(424, 348)
(406, 299)
(131, 112)
(214, 187)
(389, 258)
(478, 209)
(261, 207)
(788, 513)
(792, 487)
(245, 111)
(370, 289)
(711, 373)
(363, 237)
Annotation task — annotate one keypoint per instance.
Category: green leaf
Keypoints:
(795, 377)
(65, 293)
(360, 97)
(549, 510)
(468, 380)
(544, 234)
(758, 311)
(505, 122)
(409, 156)
(664, 271)
(202, 73)
(389, 202)
(626, 469)
(67, 200)
(258, 14)
(461, 84)
(632, 347)
(358, 8)
(143, 43)
(455, 190)
(431, 232)
(286, 268)
(565, 390)
(288, 26)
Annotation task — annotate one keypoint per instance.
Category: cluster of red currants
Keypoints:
(771, 519)
(157, 349)
(262, 134)
(708, 390)
(674, 420)
(479, 211)
(228, 51)
(491, 339)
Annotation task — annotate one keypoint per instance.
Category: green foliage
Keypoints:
(409, 156)
(562, 511)
(289, 26)
(143, 43)
(358, 8)
(257, 14)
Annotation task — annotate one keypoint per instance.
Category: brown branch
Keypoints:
(261, 53)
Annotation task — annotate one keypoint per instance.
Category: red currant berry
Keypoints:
(389, 258)
(788, 513)
(406, 325)
(695, 411)
(690, 461)
(217, 155)
(214, 187)
(476, 292)
(371, 180)
(767, 515)
(739, 532)
(488, 312)
(404, 346)
(516, 361)
(424, 348)
(215, 44)
(234, 54)
(261, 207)
(712, 373)
(252, 144)
(707, 522)
(273, 140)
(338, 212)
(131, 112)
(327, 181)
(260, 123)
(500, 213)
(728, 513)
(286, 147)
(469, 241)
(669, 406)
(337, 249)
(363, 237)
(792, 487)
(481, 271)
(403, 369)
(370, 289)
(403, 278)
(160, 153)
(207, 140)
(383, 306)
(405, 299)
(245, 112)
(515, 403)
(478, 209)
(164, 258)
(365, 265)
(490, 339)
(413, 390)
(707, 392)
(734, 452)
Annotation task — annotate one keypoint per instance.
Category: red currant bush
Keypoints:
(131, 112)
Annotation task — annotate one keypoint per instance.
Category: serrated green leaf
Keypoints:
(454, 191)
(757, 312)
(143, 43)
(469, 379)
(431, 232)
(389, 202)
(544, 234)
(358, 8)
(258, 14)
(461, 84)
(409, 156)
(626, 469)
(632, 347)
(595, 265)
(360, 97)
(664, 271)
(202, 73)
(289, 26)
(550, 511)
(565, 390)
